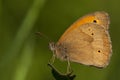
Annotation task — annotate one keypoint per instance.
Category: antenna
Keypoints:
(43, 35)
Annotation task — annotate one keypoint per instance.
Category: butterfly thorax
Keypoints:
(59, 50)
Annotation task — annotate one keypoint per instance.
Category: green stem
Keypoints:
(23, 32)
(25, 62)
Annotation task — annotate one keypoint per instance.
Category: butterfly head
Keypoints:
(52, 46)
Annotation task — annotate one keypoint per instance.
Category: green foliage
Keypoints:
(24, 56)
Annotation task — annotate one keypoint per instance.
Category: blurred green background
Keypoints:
(24, 56)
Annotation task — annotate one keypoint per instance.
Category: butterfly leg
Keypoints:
(69, 69)
(60, 76)
(52, 59)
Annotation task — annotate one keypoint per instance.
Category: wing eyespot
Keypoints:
(94, 21)
(92, 34)
(99, 51)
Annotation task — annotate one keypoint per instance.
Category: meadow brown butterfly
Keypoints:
(86, 41)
